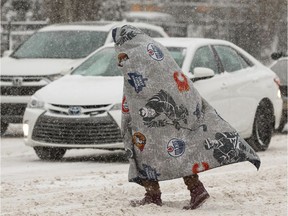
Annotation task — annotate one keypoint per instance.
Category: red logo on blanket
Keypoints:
(125, 108)
(199, 167)
(121, 58)
(139, 140)
(181, 81)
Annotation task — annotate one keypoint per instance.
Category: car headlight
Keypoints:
(117, 106)
(36, 103)
(279, 94)
(25, 128)
(54, 77)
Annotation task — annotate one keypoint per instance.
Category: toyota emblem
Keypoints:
(74, 110)
(17, 81)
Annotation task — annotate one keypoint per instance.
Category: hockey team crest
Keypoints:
(139, 140)
(137, 81)
(126, 34)
(227, 148)
(125, 108)
(182, 81)
(155, 52)
(149, 173)
(176, 147)
(200, 167)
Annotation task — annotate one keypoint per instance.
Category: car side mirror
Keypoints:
(7, 53)
(201, 72)
(276, 55)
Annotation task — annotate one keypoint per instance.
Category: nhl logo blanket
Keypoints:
(169, 130)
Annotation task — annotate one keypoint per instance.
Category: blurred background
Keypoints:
(258, 26)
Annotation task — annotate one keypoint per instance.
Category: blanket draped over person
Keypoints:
(169, 130)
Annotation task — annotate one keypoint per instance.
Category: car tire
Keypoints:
(4, 127)
(49, 153)
(263, 127)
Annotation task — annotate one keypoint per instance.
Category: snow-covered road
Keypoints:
(94, 182)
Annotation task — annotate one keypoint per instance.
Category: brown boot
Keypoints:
(152, 195)
(197, 192)
(148, 199)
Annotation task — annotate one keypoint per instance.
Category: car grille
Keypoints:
(19, 90)
(88, 110)
(21, 86)
(97, 130)
(24, 79)
(12, 109)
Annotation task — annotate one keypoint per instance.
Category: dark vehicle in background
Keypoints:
(279, 66)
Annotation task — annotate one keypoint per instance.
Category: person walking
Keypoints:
(169, 130)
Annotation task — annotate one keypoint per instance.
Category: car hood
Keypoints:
(36, 67)
(82, 90)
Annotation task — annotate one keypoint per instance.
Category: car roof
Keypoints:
(190, 42)
(98, 26)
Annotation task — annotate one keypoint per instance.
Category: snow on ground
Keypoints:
(94, 182)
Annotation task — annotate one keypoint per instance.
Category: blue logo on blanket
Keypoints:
(137, 81)
(149, 173)
(155, 52)
(176, 147)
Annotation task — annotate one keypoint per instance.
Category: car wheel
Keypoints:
(262, 128)
(49, 153)
(4, 127)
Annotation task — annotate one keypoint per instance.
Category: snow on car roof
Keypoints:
(189, 42)
(98, 26)
(75, 27)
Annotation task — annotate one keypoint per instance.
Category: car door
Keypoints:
(241, 82)
(212, 89)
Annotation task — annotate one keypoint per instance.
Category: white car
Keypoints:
(47, 55)
(83, 110)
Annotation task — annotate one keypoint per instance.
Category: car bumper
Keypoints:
(71, 132)
(278, 111)
(12, 112)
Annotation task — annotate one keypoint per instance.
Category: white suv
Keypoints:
(47, 55)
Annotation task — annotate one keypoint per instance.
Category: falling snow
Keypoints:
(94, 182)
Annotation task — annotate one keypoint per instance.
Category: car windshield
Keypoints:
(61, 44)
(102, 63)
(178, 54)
(280, 68)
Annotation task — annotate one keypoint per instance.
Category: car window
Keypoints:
(204, 57)
(243, 62)
(102, 63)
(280, 68)
(230, 59)
(61, 44)
(178, 54)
